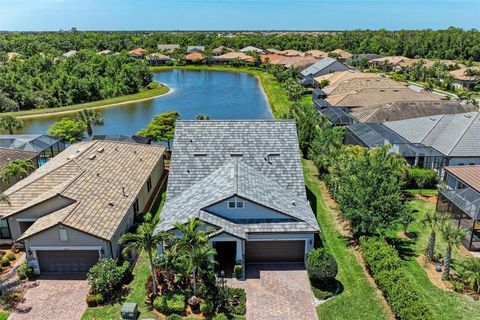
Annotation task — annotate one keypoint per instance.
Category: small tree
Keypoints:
(432, 221)
(69, 130)
(106, 276)
(161, 128)
(90, 118)
(146, 238)
(321, 266)
(17, 168)
(453, 237)
(10, 123)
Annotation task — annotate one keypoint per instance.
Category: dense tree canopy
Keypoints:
(40, 81)
(452, 43)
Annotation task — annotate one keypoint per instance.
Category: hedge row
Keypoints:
(384, 264)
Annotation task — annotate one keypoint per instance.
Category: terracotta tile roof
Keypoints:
(342, 53)
(293, 53)
(319, 54)
(297, 62)
(102, 178)
(8, 155)
(195, 56)
(272, 58)
(469, 175)
(137, 51)
(460, 74)
(235, 55)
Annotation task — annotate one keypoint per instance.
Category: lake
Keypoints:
(220, 95)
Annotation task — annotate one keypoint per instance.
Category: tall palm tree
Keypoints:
(195, 243)
(17, 168)
(10, 123)
(90, 118)
(433, 221)
(471, 272)
(453, 237)
(146, 239)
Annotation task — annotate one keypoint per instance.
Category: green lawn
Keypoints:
(359, 299)
(122, 99)
(444, 304)
(4, 315)
(137, 292)
(274, 90)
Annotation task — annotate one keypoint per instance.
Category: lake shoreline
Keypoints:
(73, 110)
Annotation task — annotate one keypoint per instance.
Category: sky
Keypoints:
(52, 15)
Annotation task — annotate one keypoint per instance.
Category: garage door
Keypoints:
(66, 262)
(274, 251)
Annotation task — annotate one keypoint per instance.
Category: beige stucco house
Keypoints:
(73, 210)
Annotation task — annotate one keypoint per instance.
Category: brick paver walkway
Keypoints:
(53, 299)
(277, 292)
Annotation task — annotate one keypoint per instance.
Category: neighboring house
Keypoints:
(296, 62)
(340, 54)
(69, 54)
(46, 146)
(13, 55)
(317, 54)
(357, 58)
(8, 155)
(461, 199)
(231, 57)
(194, 57)
(221, 50)
(293, 53)
(274, 51)
(323, 67)
(198, 49)
(392, 63)
(272, 58)
(73, 210)
(244, 179)
(168, 48)
(122, 138)
(449, 139)
(463, 80)
(158, 59)
(252, 49)
(137, 53)
(106, 52)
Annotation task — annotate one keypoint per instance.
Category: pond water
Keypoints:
(220, 95)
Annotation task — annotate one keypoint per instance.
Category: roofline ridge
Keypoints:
(464, 133)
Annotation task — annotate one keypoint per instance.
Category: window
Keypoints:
(149, 184)
(236, 204)
(231, 204)
(136, 209)
(239, 204)
(63, 235)
(4, 229)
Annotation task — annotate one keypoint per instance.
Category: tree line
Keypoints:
(40, 81)
(451, 43)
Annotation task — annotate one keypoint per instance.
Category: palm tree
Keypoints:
(453, 237)
(90, 118)
(195, 243)
(471, 273)
(202, 117)
(432, 220)
(146, 239)
(17, 168)
(10, 123)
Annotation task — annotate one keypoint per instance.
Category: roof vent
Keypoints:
(468, 116)
(191, 141)
(98, 174)
(110, 204)
(188, 171)
(92, 157)
(116, 148)
(200, 154)
(100, 150)
(294, 203)
(123, 192)
(236, 154)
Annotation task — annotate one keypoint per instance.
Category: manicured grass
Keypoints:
(274, 90)
(444, 304)
(145, 94)
(424, 192)
(358, 299)
(4, 315)
(137, 292)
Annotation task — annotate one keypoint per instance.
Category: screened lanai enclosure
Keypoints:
(463, 205)
(46, 146)
(372, 135)
(337, 116)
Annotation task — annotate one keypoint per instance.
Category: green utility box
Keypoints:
(129, 311)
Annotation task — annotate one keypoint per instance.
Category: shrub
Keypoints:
(9, 299)
(152, 85)
(207, 307)
(321, 266)
(94, 300)
(10, 256)
(106, 276)
(422, 178)
(24, 271)
(170, 303)
(220, 316)
(238, 270)
(4, 262)
(384, 263)
(240, 296)
(174, 317)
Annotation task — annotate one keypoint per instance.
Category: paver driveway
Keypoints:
(53, 299)
(277, 292)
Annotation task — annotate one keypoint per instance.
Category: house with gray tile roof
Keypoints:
(191, 49)
(323, 67)
(243, 178)
(72, 211)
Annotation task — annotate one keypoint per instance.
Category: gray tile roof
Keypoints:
(258, 160)
(196, 49)
(320, 65)
(236, 178)
(454, 135)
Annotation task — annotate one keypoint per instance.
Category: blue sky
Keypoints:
(237, 14)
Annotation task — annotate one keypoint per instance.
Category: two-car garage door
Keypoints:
(66, 261)
(275, 251)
